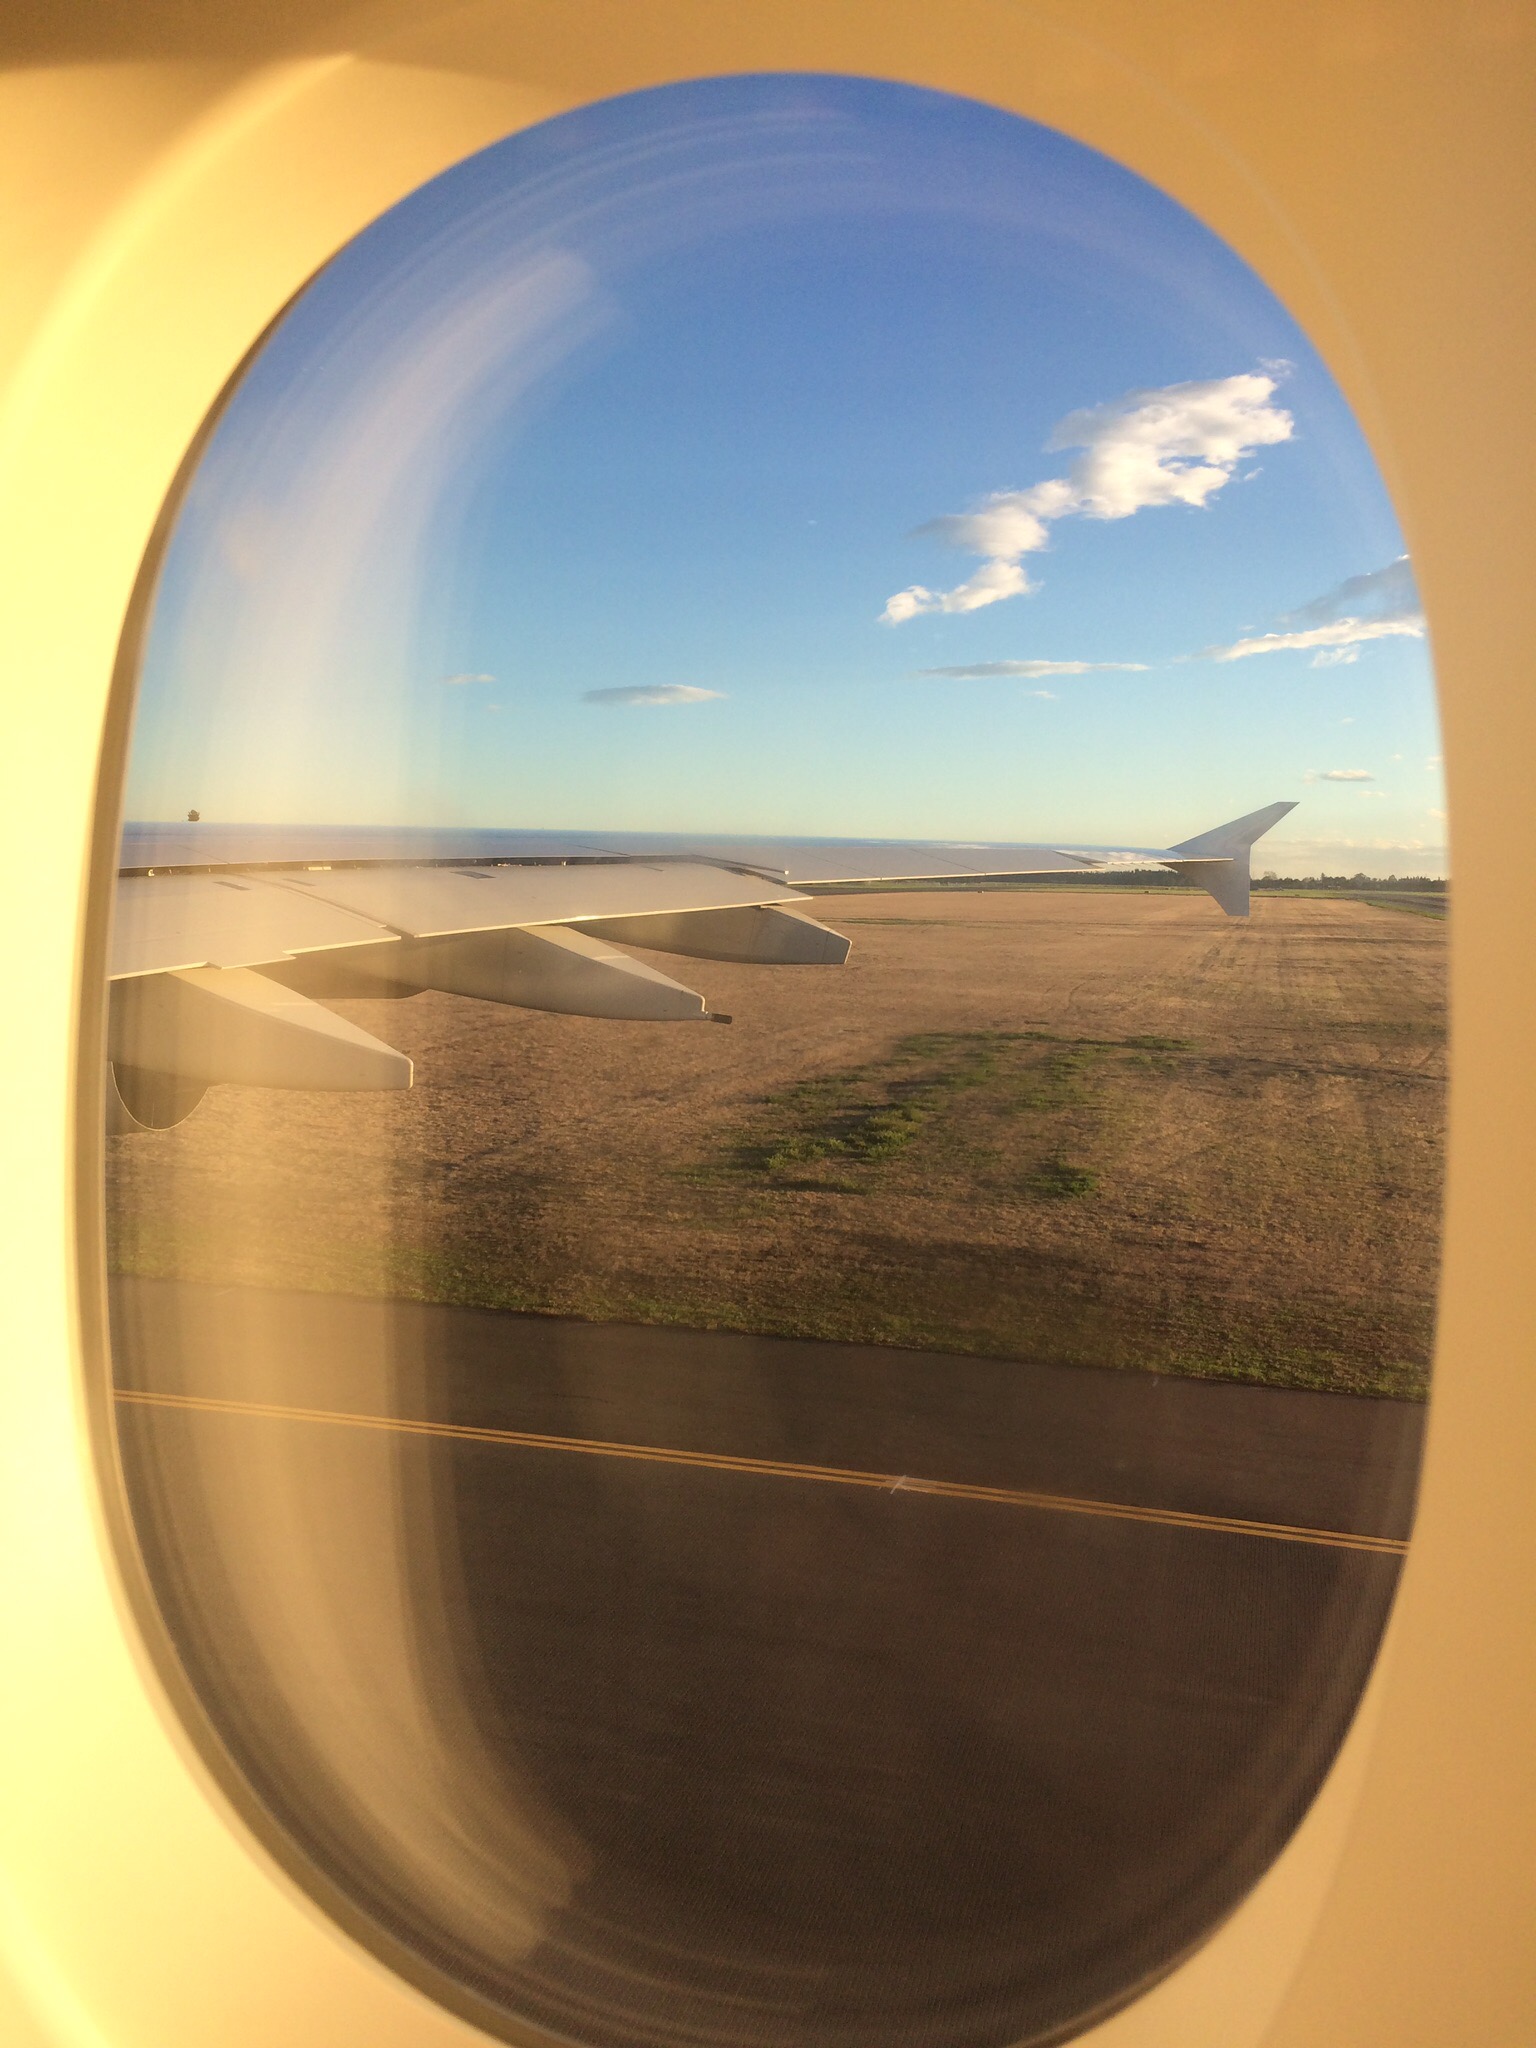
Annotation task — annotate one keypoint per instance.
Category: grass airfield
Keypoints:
(1109, 1129)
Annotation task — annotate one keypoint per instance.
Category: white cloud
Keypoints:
(467, 678)
(1050, 696)
(1437, 814)
(1009, 523)
(906, 604)
(1338, 775)
(992, 581)
(981, 671)
(1381, 605)
(659, 693)
(1176, 446)
(1435, 761)
(1341, 633)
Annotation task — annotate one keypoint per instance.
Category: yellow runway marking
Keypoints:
(774, 1468)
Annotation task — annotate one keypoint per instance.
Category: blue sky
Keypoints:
(667, 467)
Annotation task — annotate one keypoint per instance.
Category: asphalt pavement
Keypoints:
(886, 1697)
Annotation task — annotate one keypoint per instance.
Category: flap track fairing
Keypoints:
(198, 1025)
(550, 968)
(762, 934)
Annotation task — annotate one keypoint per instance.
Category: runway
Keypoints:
(871, 1696)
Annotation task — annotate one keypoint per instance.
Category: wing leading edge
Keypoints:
(221, 971)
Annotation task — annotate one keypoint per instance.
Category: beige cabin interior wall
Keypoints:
(169, 174)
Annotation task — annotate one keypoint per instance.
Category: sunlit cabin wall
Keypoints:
(167, 185)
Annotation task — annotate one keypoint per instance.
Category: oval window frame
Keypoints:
(1031, 109)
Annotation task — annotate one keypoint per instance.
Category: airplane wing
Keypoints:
(228, 942)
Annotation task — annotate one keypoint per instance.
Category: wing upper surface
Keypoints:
(800, 859)
(245, 919)
(173, 921)
(241, 896)
(432, 902)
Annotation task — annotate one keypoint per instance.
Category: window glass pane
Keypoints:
(867, 1525)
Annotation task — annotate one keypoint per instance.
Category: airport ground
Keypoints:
(923, 1688)
(752, 1692)
(1106, 1129)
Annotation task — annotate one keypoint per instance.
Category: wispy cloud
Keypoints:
(660, 693)
(1325, 846)
(468, 678)
(1339, 775)
(1389, 593)
(1175, 446)
(1340, 641)
(1381, 605)
(983, 671)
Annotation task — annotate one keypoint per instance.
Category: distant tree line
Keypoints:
(1155, 878)
(1419, 883)
(1138, 878)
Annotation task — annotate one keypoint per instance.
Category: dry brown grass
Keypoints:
(1110, 1129)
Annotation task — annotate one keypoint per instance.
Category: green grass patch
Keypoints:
(1058, 1181)
(1415, 906)
(1033, 1095)
(999, 1305)
(991, 1199)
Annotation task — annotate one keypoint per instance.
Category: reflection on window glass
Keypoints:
(867, 1525)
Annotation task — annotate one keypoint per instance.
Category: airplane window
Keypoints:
(776, 1073)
